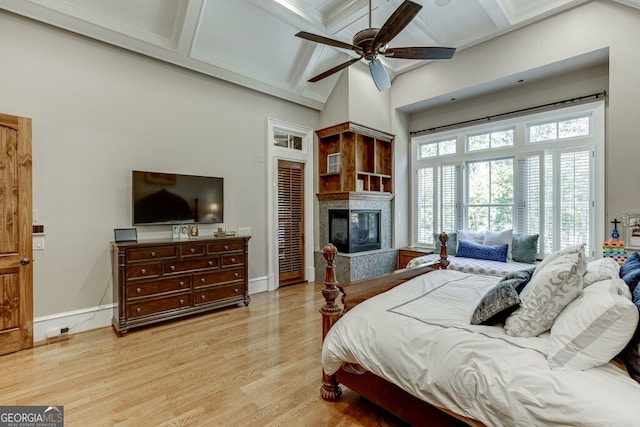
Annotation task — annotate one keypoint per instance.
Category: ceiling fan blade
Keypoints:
(325, 40)
(334, 70)
(418, 52)
(379, 74)
(396, 23)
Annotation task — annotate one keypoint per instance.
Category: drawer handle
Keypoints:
(181, 301)
(233, 260)
(226, 247)
(210, 262)
(138, 290)
(202, 280)
(193, 250)
(236, 274)
(138, 310)
(202, 297)
(143, 271)
(153, 253)
(173, 268)
(236, 290)
(181, 284)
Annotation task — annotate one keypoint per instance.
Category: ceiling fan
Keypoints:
(372, 42)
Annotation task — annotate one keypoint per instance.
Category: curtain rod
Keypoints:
(488, 118)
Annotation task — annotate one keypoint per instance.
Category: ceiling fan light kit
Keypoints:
(370, 43)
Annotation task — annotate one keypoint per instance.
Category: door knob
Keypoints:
(25, 261)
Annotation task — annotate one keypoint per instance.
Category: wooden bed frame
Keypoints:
(370, 386)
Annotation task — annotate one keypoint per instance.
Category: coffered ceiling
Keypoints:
(252, 42)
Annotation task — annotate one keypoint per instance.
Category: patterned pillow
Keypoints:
(551, 289)
(593, 328)
(559, 254)
(601, 269)
(525, 248)
(518, 279)
(495, 238)
(452, 243)
(473, 250)
(496, 304)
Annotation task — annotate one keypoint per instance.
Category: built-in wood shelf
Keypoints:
(354, 159)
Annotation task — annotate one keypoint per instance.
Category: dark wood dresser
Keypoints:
(158, 280)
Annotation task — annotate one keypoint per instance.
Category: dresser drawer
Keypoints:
(224, 246)
(158, 305)
(190, 265)
(142, 289)
(191, 249)
(151, 252)
(144, 271)
(232, 259)
(220, 276)
(217, 293)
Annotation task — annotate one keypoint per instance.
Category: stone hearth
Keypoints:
(359, 265)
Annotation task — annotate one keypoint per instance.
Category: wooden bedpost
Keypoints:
(330, 311)
(444, 262)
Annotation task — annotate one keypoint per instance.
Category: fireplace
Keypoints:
(355, 230)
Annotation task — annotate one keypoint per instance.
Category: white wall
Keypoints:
(98, 112)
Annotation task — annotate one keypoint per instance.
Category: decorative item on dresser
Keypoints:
(160, 280)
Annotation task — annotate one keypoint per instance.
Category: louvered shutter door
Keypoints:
(290, 222)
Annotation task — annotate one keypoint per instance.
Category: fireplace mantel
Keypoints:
(355, 195)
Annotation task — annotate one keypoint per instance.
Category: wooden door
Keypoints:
(16, 270)
(290, 222)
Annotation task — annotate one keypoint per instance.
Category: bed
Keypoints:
(391, 342)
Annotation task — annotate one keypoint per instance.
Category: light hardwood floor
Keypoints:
(256, 365)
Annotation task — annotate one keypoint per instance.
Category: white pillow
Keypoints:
(549, 291)
(593, 328)
(601, 269)
(495, 238)
(558, 254)
(470, 236)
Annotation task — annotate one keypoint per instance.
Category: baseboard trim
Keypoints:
(48, 327)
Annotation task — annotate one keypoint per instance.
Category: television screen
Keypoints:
(168, 198)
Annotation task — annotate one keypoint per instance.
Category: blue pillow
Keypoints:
(525, 248)
(470, 249)
(451, 243)
(632, 278)
(632, 263)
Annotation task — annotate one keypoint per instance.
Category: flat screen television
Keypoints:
(169, 198)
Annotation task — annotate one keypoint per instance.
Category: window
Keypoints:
(493, 139)
(560, 129)
(286, 140)
(439, 148)
(490, 195)
(547, 178)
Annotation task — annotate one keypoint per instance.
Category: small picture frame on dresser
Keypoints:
(194, 232)
(175, 232)
(184, 232)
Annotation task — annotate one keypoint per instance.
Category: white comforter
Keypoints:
(418, 336)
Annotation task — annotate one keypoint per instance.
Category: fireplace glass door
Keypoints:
(355, 230)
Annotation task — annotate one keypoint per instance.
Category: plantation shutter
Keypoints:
(575, 198)
(450, 198)
(290, 222)
(426, 193)
(528, 198)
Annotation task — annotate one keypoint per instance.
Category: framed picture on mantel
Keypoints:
(631, 221)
